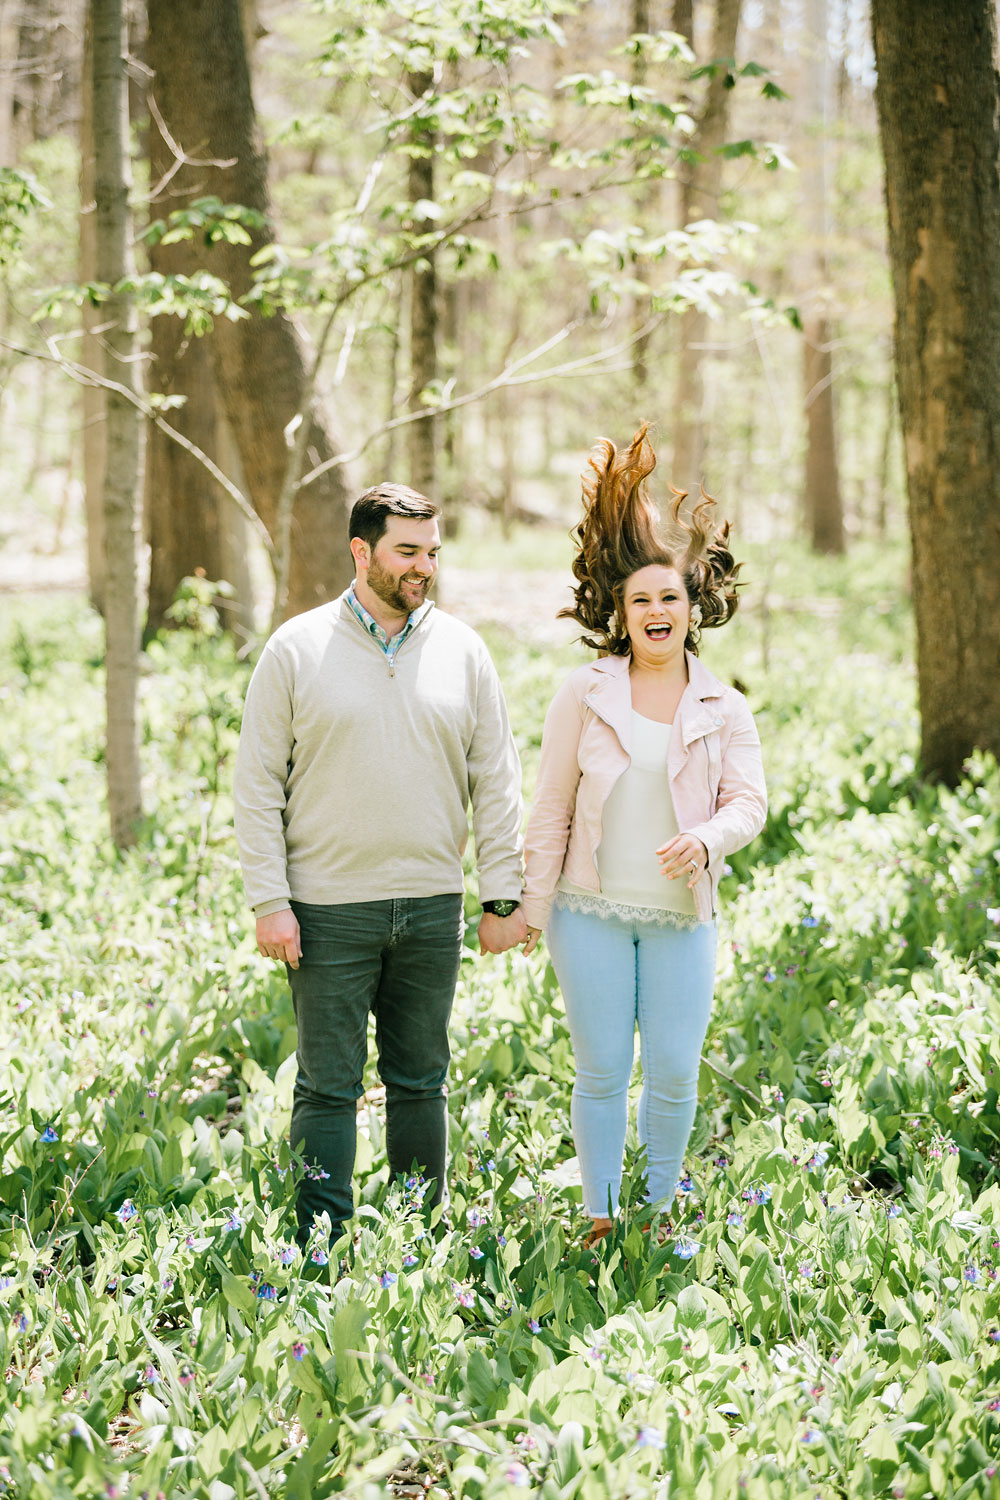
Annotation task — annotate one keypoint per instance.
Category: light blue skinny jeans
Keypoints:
(615, 974)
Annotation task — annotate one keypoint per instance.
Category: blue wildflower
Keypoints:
(819, 1159)
(735, 1219)
(287, 1254)
(685, 1249)
(517, 1474)
(388, 1278)
(685, 1185)
(233, 1225)
(810, 1436)
(127, 1212)
(150, 1375)
(971, 1275)
(298, 1351)
(487, 1166)
(534, 1325)
(475, 1252)
(5, 1282)
(994, 1335)
(769, 976)
(21, 1323)
(810, 921)
(475, 1218)
(807, 1270)
(409, 1260)
(650, 1437)
(319, 1256)
(49, 1135)
(501, 1239)
(267, 1293)
(464, 1296)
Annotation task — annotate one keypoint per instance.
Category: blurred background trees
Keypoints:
(450, 245)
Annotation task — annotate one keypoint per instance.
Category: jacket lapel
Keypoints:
(611, 697)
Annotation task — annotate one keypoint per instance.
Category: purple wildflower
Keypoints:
(685, 1185)
(464, 1296)
(994, 1335)
(650, 1437)
(127, 1212)
(21, 1322)
(475, 1218)
(388, 1278)
(267, 1293)
(735, 1219)
(287, 1254)
(475, 1252)
(319, 1256)
(409, 1260)
(516, 1473)
(769, 976)
(233, 1224)
(686, 1249)
(534, 1325)
(971, 1275)
(299, 1351)
(49, 1135)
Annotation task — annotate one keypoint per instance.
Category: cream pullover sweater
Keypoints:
(354, 773)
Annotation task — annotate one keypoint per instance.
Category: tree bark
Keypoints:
(939, 118)
(260, 364)
(91, 348)
(823, 504)
(123, 470)
(191, 522)
(423, 300)
(699, 200)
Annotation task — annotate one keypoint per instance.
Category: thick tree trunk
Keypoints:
(423, 301)
(682, 20)
(123, 470)
(939, 116)
(823, 505)
(191, 522)
(700, 200)
(260, 364)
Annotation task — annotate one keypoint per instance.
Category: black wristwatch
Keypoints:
(501, 908)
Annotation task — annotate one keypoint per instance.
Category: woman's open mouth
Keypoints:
(658, 632)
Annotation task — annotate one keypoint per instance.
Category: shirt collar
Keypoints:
(372, 625)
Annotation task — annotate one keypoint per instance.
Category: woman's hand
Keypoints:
(534, 933)
(683, 855)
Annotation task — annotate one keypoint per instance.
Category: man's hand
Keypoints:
(497, 934)
(278, 937)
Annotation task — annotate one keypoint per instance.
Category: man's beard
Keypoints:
(389, 588)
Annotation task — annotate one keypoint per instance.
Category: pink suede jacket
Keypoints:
(715, 771)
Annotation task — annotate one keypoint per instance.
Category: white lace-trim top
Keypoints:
(598, 906)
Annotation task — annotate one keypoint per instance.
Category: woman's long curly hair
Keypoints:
(621, 532)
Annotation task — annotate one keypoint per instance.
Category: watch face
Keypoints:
(503, 908)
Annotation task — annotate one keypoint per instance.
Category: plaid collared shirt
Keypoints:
(374, 629)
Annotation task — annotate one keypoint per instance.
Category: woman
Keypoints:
(650, 774)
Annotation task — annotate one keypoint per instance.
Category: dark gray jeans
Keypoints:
(399, 959)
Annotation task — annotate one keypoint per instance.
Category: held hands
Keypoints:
(278, 937)
(684, 855)
(497, 934)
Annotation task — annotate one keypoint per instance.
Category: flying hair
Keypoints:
(621, 532)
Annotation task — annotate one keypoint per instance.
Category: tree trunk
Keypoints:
(700, 200)
(937, 98)
(191, 522)
(123, 471)
(823, 504)
(10, 25)
(260, 363)
(91, 348)
(423, 299)
(646, 200)
(683, 20)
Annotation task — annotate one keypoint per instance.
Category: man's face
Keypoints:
(402, 567)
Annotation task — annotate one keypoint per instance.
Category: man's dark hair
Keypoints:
(371, 513)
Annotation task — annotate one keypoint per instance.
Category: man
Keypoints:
(370, 722)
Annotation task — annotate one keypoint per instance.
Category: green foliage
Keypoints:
(822, 1317)
(20, 194)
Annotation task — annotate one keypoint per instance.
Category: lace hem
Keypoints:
(600, 906)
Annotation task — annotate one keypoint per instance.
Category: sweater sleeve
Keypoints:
(259, 788)
(741, 805)
(554, 802)
(495, 790)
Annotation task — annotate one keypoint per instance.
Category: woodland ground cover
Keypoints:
(823, 1318)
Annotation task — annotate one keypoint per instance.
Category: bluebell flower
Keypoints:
(685, 1249)
(267, 1293)
(49, 1135)
(685, 1185)
(127, 1212)
(650, 1437)
(819, 1159)
(319, 1256)
(409, 1260)
(149, 1375)
(21, 1322)
(475, 1217)
(487, 1166)
(298, 1351)
(167, 1283)
(807, 1270)
(534, 1325)
(475, 1252)
(893, 1211)
(810, 921)
(233, 1225)
(501, 1239)
(464, 1296)
(388, 1278)
(769, 976)
(5, 1282)
(287, 1254)
(810, 1436)
(735, 1219)
(517, 1474)
(971, 1274)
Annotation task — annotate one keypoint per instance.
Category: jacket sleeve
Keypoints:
(259, 786)
(741, 805)
(495, 791)
(554, 803)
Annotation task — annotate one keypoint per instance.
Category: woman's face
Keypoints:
(657, 614)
